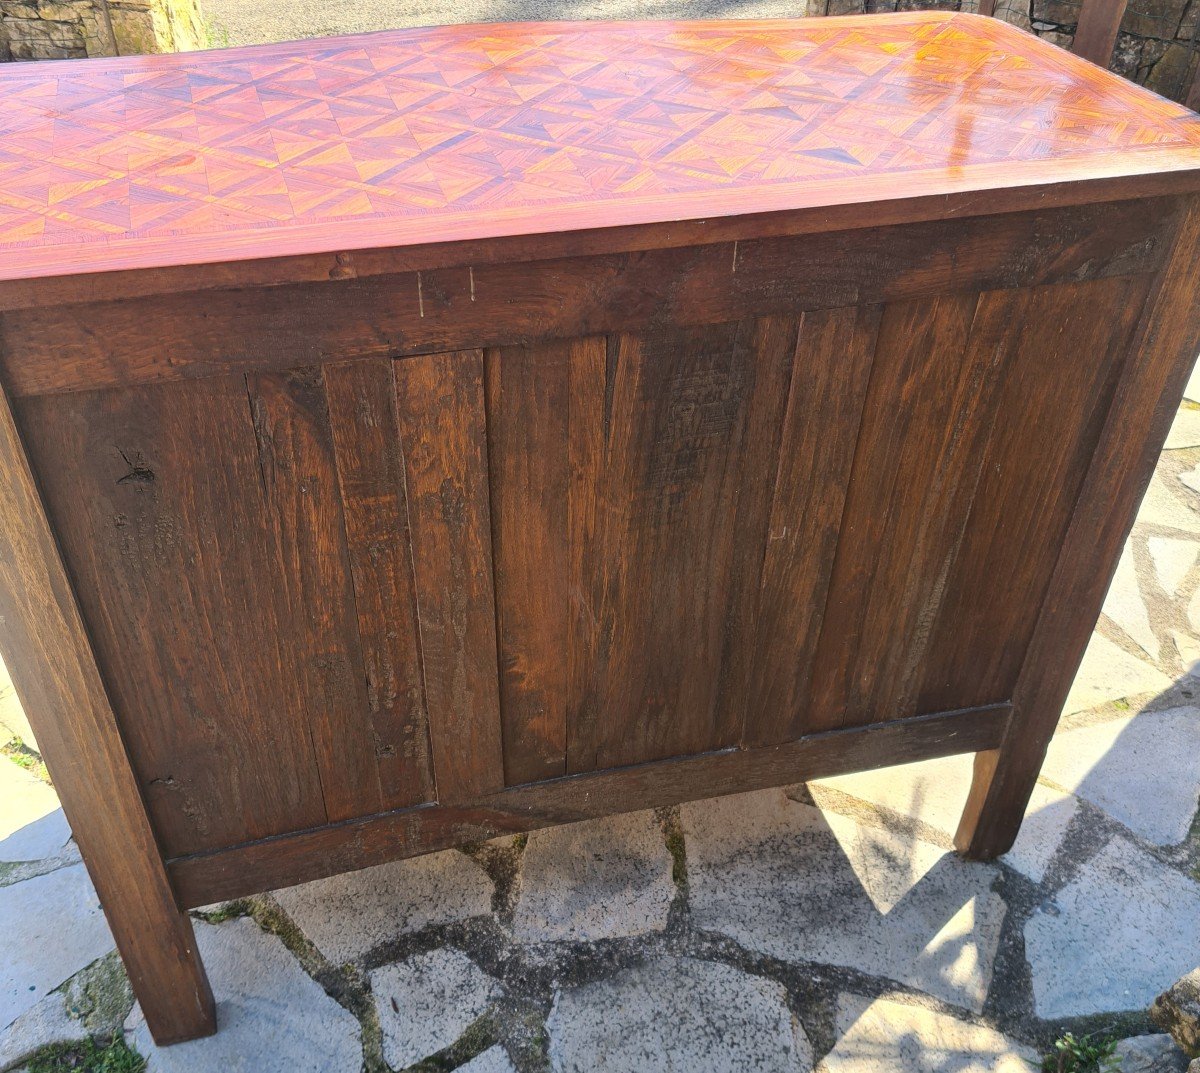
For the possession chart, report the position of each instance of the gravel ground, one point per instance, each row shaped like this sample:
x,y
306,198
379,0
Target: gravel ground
x,y
251,22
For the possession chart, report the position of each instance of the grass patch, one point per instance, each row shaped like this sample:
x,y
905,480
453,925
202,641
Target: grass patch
x,y
1086,1054
116,1056
215,35
23,756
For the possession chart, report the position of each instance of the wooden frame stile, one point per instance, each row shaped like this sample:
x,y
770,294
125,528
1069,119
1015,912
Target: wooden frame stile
x,y
54,671
1151,384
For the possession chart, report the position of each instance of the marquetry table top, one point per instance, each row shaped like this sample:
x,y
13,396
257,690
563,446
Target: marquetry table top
x,y
475,132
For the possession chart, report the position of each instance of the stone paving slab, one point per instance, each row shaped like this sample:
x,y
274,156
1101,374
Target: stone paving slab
x,y
1192,391
786,880
1165,504
1185,430
1173,559
1123,930
50,1021
271,1015
1150,1054
673,1015
94,1001
494,1060
347,915
13,723
1111,764
426,1002
1125,605
1109,673
885,1036
934,792
32,826
56,928
599,879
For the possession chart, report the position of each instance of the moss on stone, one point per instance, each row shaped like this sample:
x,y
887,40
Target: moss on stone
x,y
100,995
115,1056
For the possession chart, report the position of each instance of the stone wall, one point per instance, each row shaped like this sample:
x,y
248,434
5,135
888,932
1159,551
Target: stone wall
x,y
1155,47
62,29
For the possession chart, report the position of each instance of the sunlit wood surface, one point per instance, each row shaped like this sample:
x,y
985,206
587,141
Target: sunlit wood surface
x,y
471,132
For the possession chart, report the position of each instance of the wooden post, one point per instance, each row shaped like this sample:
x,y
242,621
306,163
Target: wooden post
x,y
46,648
1096,34
1143,408
1192,100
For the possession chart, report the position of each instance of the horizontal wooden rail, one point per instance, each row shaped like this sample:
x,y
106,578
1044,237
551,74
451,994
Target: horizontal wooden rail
x,y
201,879
172,337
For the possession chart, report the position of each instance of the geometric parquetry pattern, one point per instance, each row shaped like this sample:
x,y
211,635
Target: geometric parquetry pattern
x,y
467,122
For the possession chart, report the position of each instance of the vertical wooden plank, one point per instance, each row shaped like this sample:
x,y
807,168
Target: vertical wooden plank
x,y
48,654
156,497
529,464
773,343
678,499
1096,33
589,405
304,516
440,404
1049,415
1192,98
1135,428
929,411
829,379
361,396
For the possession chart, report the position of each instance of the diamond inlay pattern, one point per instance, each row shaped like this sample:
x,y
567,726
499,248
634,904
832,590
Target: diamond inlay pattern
x,y
472,131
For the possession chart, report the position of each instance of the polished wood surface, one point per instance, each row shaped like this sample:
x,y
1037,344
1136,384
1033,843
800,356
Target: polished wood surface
x,y
485,479
473,132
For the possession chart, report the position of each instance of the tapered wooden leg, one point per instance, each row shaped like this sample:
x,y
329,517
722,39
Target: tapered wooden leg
x,y
1144,404
990,822
53,668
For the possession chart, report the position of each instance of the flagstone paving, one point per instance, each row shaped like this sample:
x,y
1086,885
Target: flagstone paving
x,y
273,1015
885,1036
827,927
676,1014
587,881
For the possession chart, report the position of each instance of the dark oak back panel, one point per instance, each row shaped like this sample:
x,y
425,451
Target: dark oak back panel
x,y
325,590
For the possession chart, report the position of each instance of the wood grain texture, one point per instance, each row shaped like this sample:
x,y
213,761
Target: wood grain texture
x,y
308,855
829,377
529,415
1136,425
361,397
442,420
689,418
929,411
910,103
157,498
77,347
48,654
307,539
1096,33
1051,409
